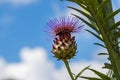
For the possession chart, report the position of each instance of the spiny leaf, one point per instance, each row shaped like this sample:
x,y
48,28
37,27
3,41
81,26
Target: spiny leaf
x,y
86,22
81,72
80,3
100,8
95,5
90,78
94,34
101,75
82,12
100,45
102,5
76,1
103,54
117,35
108,66
116,45
111,15
114,26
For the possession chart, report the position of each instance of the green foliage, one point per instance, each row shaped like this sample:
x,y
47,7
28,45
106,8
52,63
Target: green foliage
x,y
111,15
107,66
103,54
101,76
101,20
78,75
114,26
96,35
100,45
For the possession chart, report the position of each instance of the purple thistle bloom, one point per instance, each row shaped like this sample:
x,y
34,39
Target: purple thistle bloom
x,y
64,46
64,25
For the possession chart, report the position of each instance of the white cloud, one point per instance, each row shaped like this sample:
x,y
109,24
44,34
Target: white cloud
x,y
16,2
77,67
35,65
2,67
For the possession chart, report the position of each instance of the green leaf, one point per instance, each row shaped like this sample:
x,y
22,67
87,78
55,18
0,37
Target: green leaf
x,y
82,12
81,72
80,3
101,6
76,1
94,5
114,26
86,22
101,75
111,15
103,54
108,66
117,35
100,45
90,78
97,36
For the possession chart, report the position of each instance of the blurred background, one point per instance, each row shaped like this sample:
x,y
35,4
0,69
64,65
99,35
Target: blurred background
x,y
25,46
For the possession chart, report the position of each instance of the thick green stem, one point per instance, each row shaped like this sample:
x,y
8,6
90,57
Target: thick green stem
x,y
68,68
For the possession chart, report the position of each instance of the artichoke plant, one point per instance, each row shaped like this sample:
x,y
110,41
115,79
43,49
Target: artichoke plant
x,y
100,17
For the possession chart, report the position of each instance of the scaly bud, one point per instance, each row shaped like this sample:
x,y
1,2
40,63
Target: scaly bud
x,y
64,46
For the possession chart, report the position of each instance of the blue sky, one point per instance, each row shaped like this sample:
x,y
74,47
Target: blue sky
x,y
22,25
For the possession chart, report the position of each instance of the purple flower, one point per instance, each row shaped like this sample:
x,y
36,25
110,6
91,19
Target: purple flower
x,y
64,25
64,46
